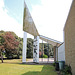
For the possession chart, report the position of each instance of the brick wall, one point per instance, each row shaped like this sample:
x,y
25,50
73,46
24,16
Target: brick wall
x,y
69,36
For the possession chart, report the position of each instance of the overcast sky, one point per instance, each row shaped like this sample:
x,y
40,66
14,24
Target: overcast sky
x,y
49,16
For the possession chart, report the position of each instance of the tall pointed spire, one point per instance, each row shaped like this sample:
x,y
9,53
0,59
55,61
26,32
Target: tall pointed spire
x,y
28,23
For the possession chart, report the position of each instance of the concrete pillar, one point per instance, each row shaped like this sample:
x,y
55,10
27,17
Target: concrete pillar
x,y
24,47
54,53
36,49
42,51
48,50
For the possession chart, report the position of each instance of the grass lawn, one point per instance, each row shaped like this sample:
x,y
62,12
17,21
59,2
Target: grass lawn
x,y
14,67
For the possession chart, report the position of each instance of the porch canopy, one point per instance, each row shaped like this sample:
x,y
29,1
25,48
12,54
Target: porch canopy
x,y
50,41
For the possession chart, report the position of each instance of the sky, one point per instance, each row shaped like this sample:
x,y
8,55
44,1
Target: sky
x,y
49,16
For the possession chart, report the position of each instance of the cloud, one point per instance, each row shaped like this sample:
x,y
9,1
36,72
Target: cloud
x,y
1,3
50,17
8,23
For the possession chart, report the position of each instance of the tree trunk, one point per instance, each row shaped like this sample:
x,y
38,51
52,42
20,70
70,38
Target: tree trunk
x,y
1,57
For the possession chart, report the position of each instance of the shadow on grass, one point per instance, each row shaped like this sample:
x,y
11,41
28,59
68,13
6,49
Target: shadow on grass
x,y
32,73
35,72
46,70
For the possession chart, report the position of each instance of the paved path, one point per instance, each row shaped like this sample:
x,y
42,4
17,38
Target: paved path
x,y
43,60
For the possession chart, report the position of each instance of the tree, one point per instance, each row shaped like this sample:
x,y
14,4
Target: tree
x,y
1,47
29,48
48,49
20,46
11,44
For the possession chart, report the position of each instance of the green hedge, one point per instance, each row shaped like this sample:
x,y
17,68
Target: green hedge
x,y
45,56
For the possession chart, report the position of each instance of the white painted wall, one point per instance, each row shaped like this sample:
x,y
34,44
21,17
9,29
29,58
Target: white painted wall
x,y
61,53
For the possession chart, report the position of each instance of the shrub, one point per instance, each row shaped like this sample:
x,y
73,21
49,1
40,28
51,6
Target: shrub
x,y
53,64
66,70
45,56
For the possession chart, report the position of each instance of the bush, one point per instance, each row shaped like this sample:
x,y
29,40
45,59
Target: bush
x,y
66,70
45,56
53,64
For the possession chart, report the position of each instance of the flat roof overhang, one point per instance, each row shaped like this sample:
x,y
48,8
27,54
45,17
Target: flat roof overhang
x,y
50,41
